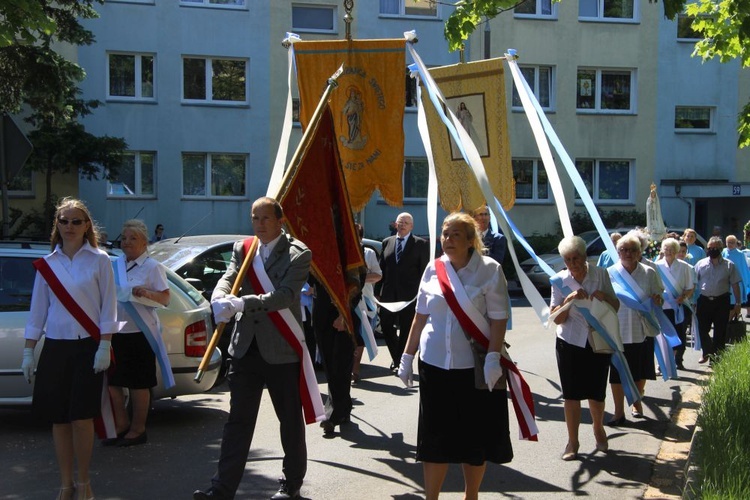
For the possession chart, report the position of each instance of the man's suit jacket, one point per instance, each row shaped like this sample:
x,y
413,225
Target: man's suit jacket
x,y
496,245
288,267
401,279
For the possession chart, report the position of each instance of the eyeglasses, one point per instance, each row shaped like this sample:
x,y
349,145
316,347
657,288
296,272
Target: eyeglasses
x,y
75,222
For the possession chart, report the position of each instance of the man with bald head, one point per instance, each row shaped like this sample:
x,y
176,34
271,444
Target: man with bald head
x,y
402,261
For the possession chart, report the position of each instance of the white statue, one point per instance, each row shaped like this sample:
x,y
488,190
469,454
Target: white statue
x,y
654,222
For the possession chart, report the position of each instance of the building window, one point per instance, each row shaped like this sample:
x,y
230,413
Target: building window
x,y
215,3
135,177
214,80
213,175
685,31
605,91
607,180
531,180
540,79
415,178
314,19
130,76
422,8
536,8
606,10
22,184
693,118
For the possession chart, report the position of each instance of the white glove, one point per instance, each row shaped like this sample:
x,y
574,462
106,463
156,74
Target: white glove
x,y
226,307
27,365
406,370
492,369
101,358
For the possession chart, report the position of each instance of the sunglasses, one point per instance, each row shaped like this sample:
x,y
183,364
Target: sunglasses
x,y
75,222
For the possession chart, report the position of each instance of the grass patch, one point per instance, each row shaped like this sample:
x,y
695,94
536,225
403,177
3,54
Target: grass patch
x,y
723,447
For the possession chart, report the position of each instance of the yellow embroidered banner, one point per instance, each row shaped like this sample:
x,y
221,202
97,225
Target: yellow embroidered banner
x,y
368,109
475,92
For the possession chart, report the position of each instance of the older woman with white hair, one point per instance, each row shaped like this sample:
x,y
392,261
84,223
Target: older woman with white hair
x,y
583,372
677,275
141,287
637,335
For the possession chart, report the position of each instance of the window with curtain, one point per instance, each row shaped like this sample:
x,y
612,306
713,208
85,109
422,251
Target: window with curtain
x,y
531,180
214,175
607,181
606,9
540,79
215,80
605,91
130,76
135,176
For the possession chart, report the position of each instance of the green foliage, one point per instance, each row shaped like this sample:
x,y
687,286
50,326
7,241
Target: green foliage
x,y
581,221
469,14
722,451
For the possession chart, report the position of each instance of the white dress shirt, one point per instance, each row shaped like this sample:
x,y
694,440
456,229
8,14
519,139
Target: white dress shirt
x,y
90,274
443,342
147,273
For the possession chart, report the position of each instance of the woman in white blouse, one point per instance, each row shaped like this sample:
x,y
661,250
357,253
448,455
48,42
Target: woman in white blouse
x,y
68,385
459,422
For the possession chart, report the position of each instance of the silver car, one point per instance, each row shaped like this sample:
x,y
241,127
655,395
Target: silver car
x,y
185,328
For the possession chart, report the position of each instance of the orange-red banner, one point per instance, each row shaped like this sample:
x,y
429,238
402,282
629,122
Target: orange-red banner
x,y
317,210
368,109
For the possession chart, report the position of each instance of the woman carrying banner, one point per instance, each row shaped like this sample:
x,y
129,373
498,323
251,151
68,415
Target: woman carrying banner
x,y
636,330
471,427
141,287
74,297
583,372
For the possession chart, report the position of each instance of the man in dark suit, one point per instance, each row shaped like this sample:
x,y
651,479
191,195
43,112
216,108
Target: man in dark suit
x,y
495,244
402,261
260,356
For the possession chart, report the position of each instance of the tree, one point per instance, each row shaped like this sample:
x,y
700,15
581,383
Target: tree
x,y
35,75
724,25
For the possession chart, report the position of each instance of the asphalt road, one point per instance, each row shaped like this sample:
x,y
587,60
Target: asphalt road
x,y
373,457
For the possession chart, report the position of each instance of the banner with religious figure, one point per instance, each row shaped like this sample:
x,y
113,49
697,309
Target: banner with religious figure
x,y
475,92
368,109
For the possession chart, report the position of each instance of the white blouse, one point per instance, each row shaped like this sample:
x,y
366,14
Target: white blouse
x,y
147,273
633,328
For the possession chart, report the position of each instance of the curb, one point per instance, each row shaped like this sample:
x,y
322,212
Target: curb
x,y
674,476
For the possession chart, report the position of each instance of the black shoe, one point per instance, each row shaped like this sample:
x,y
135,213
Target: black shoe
x,y
680,366
617,422
113,441
328,427
285,491
209,494
139,439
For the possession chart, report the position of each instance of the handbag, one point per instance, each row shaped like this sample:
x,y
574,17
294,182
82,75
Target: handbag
x,y
736,329
598,344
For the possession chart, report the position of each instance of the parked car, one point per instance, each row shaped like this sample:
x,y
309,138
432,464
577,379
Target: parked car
x,y
594,248
185,328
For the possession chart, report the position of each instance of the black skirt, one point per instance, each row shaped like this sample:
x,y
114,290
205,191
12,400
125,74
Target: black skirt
x,y
583,373
66,387
640,359
135,362
459,423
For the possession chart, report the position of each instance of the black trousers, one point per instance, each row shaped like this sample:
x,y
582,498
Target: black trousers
x,y
389,322
337,349
713,312
681,328
247,377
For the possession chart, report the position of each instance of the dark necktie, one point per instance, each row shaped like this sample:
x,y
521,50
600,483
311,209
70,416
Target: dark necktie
x,y
399,248
131,267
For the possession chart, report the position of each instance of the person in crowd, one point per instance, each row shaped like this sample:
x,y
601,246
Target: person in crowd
x,y
307,299
695,251
716,276
495,244
460,420
605,260
402,262
636,333
260,355
142,286
683,253
583,372
368,295
733,253
677,275
74,286
158,234
336,345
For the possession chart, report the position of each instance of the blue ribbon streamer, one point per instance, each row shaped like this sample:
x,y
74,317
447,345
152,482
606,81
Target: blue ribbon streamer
x,y
363,332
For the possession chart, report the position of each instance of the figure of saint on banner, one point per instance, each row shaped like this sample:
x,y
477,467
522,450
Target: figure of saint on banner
x,y
353,110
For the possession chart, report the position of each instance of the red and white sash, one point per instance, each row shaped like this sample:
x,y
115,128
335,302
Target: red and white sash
x,y
104,425
290,329
476,325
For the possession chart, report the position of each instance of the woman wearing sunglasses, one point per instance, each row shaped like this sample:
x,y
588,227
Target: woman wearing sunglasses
x,y
74,305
